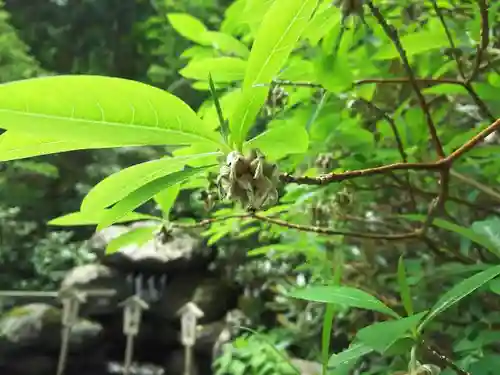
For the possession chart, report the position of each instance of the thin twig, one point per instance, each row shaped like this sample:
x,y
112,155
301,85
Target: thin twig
x,y
445,360
393,35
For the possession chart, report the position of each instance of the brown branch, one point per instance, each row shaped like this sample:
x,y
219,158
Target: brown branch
x,y
426,81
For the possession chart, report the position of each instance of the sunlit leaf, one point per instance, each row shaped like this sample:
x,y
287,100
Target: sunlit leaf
x,y
188,26
94,110
278,33
94,217
465,232
222,69
381,336
143,194
15,145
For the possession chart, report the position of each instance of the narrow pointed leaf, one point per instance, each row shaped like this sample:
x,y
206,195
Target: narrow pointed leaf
x,y
145,193
278,34
91,110
460,291
342,295
470,234
222,69
119,185
354,352
94,217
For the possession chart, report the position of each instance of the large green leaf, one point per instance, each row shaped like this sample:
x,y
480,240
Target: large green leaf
x,y
226,43
137,236
278,33
193,29
121,184
188,26
145,193
222,69
381,336
432,38
465,232
354,352
90,110
94,217
280,141
343,295
15,145
166,199
459,291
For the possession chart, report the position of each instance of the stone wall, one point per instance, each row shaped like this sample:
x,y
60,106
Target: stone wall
x,y
165,274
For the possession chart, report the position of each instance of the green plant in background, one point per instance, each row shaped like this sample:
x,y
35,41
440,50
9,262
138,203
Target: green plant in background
x,y
333,124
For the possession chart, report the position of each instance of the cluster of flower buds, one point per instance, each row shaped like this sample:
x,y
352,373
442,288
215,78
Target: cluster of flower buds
x,y
350,7
251,180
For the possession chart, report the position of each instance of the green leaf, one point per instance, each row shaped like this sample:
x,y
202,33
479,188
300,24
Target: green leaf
x,y
490,229
278,33
465,232
145,193
15,145
94,217
354,352
460,291
166,199
495,286
117,186
222,69
280,141
138,236
188,26
381,336
342,295
91,110
404,289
